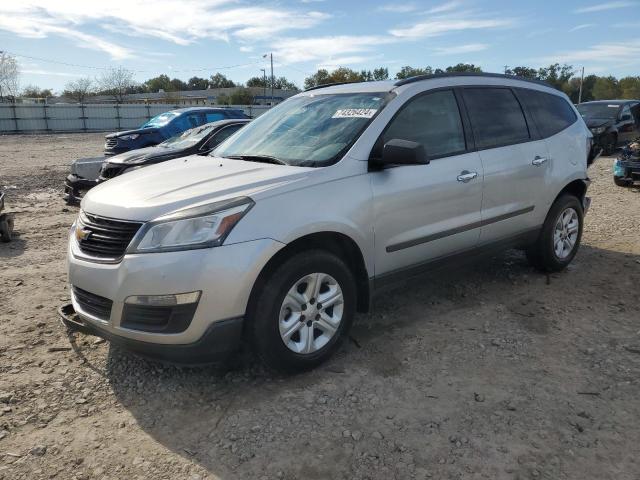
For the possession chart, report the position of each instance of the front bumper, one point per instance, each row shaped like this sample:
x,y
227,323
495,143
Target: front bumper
x,y
627,170
219,340
75,187
225,275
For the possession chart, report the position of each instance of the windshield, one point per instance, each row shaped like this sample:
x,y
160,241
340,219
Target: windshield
x,y
189,138
598,110
160,120
308,131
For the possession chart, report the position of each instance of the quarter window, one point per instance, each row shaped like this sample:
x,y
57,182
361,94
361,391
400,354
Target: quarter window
x,y
496,117
432,120
551,113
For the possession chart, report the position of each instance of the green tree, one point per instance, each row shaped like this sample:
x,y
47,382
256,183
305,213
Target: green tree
x,y
178,85
197,83
79,89
556,75
523,72
31,91
606,88
407,72
381,73
241,96
281,83
463,68
321,77
220,81
155,84
222,99
630,87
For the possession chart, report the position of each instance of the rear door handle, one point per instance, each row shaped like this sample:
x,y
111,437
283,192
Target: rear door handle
x,y
466,176
539,161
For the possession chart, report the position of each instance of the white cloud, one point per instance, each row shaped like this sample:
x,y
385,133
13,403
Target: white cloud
x,y
582,27
398,8
623,52
442,25
323,49
445,7
460,49
181,22
606,6
48,73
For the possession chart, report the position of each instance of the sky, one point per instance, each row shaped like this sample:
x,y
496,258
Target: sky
x,y
57,41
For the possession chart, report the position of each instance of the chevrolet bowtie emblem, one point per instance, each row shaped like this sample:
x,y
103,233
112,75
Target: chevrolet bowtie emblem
x,y
82,234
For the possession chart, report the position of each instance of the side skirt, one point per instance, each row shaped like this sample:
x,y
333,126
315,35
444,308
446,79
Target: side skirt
x,y
392,279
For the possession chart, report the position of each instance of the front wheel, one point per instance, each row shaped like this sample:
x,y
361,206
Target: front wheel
x,y
620,182
609,144
560,236
304,310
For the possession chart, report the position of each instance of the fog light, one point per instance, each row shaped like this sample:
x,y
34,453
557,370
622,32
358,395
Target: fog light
x,y
164,300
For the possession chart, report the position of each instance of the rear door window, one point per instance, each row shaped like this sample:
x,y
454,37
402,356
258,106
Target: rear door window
x,y
432,120
220,136
551,113
215,116
496,117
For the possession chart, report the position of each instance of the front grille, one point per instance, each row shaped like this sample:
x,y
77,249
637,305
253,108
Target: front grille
x,y
105,238
93,304
111,143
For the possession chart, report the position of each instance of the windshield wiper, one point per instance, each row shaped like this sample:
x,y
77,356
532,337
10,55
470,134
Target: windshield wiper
x,y
258,158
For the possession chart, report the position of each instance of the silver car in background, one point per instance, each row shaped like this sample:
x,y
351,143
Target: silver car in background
x,y
297,220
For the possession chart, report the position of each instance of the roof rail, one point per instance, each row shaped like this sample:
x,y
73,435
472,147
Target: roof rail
x,y
327,85
419,78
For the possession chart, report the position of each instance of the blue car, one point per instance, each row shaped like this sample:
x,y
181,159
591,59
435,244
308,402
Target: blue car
x,y
164,126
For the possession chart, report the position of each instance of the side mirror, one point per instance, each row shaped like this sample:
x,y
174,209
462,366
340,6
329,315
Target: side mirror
x,y
402,152
625,118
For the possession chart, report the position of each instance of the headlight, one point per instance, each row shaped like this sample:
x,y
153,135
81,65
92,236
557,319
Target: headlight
x,y
191,228
133,136
598,130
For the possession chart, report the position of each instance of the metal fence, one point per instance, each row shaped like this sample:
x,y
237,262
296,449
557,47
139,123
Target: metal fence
x,y
32,118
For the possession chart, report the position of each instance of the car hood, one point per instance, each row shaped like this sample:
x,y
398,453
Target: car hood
x,y
190,181
140,131
595,122
142,155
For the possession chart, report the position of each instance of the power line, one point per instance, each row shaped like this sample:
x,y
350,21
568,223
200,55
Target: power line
x,y
93,67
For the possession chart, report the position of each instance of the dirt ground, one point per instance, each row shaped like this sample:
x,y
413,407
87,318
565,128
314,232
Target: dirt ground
x,y
493,371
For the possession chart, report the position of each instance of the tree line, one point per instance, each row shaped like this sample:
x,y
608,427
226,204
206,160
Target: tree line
x,y
118,82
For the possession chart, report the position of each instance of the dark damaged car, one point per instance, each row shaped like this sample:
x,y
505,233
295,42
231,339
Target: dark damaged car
x,y
613,123
166,125
89,172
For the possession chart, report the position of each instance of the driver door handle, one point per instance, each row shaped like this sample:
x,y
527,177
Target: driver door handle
x,y
466,176
539,161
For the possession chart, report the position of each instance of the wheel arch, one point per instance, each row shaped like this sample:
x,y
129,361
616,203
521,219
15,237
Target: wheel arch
x,y
335,242
577,187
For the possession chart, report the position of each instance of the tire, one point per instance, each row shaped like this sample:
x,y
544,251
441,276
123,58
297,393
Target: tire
x,y
621,183
6,229
609,144
544,254
287,304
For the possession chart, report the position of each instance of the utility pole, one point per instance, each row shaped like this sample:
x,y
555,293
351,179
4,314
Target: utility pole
x,y
272,80
506,67
264,79
581,82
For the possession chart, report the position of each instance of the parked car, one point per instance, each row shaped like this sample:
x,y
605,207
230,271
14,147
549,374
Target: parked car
x,y
86,173
6,222
626,168
320,203
612,122
166,125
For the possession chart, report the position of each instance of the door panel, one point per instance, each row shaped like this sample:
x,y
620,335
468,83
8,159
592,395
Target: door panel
x,y
423,212
514,188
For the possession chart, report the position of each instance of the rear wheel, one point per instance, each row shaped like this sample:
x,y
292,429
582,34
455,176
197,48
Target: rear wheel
x,y
303,312
6,228
560,236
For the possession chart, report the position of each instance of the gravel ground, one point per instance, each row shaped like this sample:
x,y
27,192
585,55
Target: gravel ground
x,y
492,371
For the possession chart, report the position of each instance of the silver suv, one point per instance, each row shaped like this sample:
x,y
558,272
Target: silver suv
x,y
294,222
